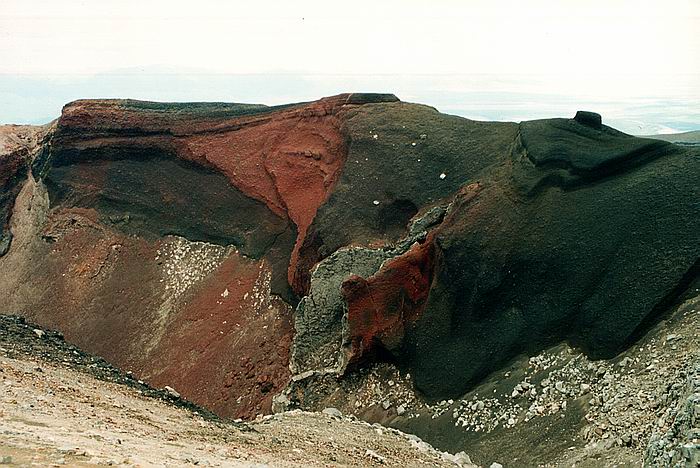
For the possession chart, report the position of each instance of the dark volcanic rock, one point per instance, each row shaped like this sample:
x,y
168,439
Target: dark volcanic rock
x,y
589,260
370,98
16,144
176,240
149,194
590,119
402,158
576,153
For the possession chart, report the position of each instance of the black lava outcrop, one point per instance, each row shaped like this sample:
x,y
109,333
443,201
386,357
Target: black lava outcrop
x,y
608,237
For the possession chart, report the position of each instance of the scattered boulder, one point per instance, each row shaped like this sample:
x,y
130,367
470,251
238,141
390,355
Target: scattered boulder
x,y
334,412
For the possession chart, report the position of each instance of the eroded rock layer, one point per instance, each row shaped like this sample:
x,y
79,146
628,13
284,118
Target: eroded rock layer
x,y
224,249
16,145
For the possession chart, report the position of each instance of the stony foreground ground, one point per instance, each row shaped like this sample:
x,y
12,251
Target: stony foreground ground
x,y
59,406
557,408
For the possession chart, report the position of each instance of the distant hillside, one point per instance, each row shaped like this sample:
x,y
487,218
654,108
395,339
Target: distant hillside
x,y
685,138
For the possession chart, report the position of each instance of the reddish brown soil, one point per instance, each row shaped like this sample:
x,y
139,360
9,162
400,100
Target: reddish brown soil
x,y
210,347
228,348
89,294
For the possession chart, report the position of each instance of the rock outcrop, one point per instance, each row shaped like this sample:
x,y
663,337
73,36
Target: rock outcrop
x,y
224,249
16,142
679,445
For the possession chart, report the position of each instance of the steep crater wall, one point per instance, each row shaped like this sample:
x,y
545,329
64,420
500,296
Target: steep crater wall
x,y
224,249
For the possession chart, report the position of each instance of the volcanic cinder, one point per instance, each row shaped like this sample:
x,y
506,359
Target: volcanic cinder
x,y
224,249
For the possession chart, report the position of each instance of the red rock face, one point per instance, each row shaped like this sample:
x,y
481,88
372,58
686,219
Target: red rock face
x,y
382,307
289,162
288,159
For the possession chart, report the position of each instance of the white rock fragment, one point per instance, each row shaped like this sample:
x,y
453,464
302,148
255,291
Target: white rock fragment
x,y
375,456
459,459
334,412
624,362
280,403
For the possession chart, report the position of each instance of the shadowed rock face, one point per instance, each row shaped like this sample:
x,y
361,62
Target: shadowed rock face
x,y
219,248
14,169
582,235
16,144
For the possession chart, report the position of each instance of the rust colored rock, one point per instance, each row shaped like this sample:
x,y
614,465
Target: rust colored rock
x,y
289,162
287,157
381,308
195,317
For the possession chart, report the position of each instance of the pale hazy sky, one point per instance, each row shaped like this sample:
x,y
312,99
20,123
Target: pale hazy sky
x,y
595,50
